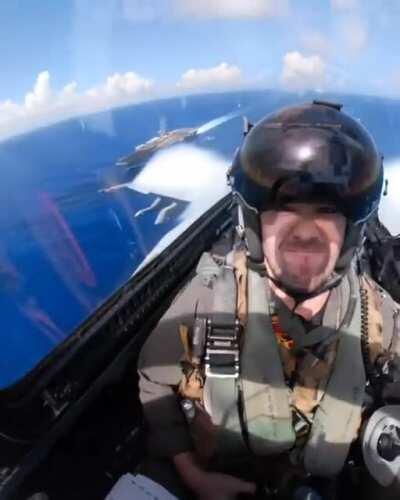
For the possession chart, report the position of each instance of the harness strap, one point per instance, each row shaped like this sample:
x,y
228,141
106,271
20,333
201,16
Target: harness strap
x,y
255,410
312,377
221,396
313,369
265,395
338,417
240,264
221,390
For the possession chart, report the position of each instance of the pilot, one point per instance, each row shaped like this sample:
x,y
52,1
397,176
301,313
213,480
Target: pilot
x,y
262,374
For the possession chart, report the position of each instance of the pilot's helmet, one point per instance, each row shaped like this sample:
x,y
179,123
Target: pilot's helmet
x,y
307,153
310,152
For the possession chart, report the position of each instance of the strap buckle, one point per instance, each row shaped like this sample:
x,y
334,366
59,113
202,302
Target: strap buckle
x,y
301,424
222,355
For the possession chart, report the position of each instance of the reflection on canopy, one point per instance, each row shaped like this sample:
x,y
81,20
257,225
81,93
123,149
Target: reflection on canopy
x,y
75,227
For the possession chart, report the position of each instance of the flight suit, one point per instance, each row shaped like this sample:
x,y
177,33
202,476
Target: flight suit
x,y
160,374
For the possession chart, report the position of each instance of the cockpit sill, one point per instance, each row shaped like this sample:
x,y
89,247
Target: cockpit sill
x,y
45,404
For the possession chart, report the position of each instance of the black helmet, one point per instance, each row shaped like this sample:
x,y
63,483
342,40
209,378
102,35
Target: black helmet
x,y
309,152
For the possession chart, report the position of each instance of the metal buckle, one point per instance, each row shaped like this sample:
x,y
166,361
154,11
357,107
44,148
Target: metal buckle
x,y
222,350
301,424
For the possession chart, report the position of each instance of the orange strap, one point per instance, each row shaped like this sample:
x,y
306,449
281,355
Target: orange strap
x,y
240,264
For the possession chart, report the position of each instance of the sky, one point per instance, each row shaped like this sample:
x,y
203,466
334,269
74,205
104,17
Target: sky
x,y
67,57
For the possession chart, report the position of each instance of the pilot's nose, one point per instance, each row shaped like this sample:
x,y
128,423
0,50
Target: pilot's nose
x,y
304,230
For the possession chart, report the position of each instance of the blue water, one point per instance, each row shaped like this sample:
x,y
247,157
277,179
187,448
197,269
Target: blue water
x,y
65,247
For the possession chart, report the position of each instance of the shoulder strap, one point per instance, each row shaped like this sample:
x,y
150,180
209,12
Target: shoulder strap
x,y
265,395
222,390
253,410
337,419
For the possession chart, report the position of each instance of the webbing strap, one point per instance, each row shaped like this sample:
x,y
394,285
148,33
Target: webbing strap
x,y
265,395
225,298
221,398
337,419
265,398
221,391
292,325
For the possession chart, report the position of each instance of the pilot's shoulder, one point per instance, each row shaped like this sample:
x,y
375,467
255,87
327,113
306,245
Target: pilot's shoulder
x,y
382,295
193,298
181,310
388,308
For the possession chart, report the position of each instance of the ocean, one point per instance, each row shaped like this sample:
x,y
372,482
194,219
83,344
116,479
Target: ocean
x,y
67,244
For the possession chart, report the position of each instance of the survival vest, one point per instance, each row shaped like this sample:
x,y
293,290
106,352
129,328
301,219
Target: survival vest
x,y
239,357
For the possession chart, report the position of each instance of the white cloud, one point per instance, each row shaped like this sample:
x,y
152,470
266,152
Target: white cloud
x,y
344,4
222,76
166,174
119,87
45,105
303,72
8,111
354,33
233,9
41,95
